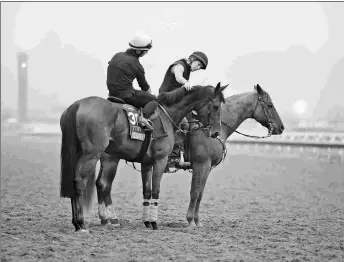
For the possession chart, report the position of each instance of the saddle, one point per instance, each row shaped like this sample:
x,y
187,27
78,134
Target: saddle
x,y
135,130
116,100
138,133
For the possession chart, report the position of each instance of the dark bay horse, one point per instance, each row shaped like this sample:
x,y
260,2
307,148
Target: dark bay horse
x,y
206,152
95,129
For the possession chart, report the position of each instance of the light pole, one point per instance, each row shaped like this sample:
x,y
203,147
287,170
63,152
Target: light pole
x,y
22,87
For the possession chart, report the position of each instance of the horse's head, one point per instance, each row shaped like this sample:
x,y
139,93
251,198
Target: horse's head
x,y
208,108
266,114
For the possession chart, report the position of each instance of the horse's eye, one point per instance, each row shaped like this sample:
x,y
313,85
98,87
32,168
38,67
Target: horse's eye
x,y
216,107
270,105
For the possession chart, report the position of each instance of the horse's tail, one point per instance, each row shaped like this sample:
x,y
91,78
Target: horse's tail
x,y
70,151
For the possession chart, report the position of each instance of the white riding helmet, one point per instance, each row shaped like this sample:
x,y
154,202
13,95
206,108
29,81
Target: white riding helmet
x,y
141,42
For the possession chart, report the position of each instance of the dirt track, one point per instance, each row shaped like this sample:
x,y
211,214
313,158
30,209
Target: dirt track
x,y
254,209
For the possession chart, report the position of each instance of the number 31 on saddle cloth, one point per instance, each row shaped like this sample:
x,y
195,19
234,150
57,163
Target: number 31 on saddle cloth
x,y
135,131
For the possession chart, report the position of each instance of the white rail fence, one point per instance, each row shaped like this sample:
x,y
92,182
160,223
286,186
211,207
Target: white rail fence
x,y
311,139
319,145
327,145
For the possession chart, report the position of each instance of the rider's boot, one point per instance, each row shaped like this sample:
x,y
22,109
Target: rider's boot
x,y
145,123
182,163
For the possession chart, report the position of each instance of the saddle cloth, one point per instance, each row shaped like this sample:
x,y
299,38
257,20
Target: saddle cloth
x,y
135,131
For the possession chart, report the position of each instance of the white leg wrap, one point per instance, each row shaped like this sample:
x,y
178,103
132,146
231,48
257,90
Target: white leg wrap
x,y
102,212
111,212
181,157
145,211
153,216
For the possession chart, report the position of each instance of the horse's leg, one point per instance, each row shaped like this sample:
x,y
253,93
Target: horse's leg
x,y
83,182
158,170
104,181
146,174
199,177
204,177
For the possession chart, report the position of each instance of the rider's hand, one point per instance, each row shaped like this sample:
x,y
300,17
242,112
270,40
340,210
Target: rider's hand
x,y
187,85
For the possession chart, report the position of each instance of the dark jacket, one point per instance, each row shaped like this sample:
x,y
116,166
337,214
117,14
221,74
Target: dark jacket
x,y
123,68
170,83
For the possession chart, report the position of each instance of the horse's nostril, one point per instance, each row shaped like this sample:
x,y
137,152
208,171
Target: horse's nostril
x,y
282,127
216,134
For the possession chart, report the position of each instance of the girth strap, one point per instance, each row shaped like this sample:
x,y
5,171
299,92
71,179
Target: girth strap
x,y
144,147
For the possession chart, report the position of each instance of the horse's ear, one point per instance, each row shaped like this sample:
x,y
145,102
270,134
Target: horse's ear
x,y
223,88
217,86
258,89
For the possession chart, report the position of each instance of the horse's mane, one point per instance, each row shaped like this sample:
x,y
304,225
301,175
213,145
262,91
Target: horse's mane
x,y
169,98
235,96
172,97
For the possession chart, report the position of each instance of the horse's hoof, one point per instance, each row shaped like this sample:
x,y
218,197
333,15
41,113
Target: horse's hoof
x,y
104,222
83,231
154,225
199,224
115,222
147,224
191,225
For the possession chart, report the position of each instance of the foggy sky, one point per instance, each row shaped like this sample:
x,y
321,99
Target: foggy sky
x,y
288,48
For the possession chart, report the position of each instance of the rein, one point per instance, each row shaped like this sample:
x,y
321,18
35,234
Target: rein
x,y
224,153
250,136
177,127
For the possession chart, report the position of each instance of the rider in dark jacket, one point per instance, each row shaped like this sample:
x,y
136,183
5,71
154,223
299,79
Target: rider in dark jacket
x,y
123,68
177,75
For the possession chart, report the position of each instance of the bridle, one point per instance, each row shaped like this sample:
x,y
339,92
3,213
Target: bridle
x,y
201,125
260,100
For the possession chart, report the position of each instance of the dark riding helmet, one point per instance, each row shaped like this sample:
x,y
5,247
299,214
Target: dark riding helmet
x,y
200,56
141,42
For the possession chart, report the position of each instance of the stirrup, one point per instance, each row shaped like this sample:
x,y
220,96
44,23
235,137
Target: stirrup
x,y
144,122
182,163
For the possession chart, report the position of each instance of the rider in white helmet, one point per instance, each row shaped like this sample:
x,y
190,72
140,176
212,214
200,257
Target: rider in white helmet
x,y
123,68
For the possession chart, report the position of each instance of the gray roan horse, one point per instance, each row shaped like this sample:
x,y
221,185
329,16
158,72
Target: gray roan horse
x,y
95,129
206,153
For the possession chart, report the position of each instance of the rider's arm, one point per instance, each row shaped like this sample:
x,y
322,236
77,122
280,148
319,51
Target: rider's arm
x,y
178,71
141,79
